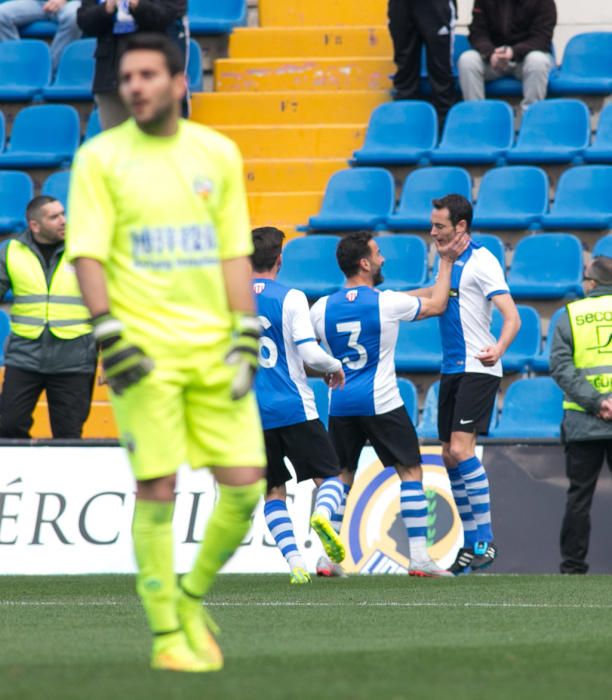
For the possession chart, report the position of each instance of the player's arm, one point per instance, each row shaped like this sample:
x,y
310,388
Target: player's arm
x,y
511,325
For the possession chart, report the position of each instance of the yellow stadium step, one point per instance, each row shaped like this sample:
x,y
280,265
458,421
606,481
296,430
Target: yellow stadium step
x,y
286,107
306,42
277,75
308,13
275,209
325,141
285,175
100,424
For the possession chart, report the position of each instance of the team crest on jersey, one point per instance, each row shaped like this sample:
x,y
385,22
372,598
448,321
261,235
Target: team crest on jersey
x,y
258,287
203,187
352,294
373,527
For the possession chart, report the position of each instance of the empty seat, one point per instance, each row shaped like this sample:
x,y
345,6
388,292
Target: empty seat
x,y
43,29
26,69
195,75
603,246
74,77
409,396
360,198
309,264
585,68
5,329
480,131
16,190
533,408
512,197
405,261
56,185
214,17
546,266
419,346
526,345
601,150
93,125
2,131
420,187
552,131
582,200
487,240
399,133
541,362
44,136
321,394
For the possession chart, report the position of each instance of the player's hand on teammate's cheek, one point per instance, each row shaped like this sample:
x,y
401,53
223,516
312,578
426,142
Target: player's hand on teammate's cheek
x,y
454,248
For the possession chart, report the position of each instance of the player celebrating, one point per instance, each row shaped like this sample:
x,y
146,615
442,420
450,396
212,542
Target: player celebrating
x,y
291,423
471,371
160,238
360,325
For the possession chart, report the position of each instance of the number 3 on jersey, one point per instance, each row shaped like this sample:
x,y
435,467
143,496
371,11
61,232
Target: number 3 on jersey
x,y
353,328
268,352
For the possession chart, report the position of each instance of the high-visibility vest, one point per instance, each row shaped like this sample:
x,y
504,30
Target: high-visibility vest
x,y
36,304
591,324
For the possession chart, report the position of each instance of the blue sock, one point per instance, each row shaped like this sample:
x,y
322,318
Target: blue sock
x,y
329,497
477,487
281,528
413,508
470,535
338,516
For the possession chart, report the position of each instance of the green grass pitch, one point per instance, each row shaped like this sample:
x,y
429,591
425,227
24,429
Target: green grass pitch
x,y
370,638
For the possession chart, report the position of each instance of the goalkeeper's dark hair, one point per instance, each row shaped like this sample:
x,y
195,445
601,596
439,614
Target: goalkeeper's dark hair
x,y
352,248
600,270
267,246
36,204
151,41
459,208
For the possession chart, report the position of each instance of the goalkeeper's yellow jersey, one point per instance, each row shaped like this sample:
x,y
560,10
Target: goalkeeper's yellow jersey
x,y
161,213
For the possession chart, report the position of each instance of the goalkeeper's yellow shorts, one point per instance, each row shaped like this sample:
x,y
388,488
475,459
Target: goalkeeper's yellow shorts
x,y
185,414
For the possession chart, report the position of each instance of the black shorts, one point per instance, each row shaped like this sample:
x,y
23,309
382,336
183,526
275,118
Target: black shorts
x,y
465,403
391,434
308,448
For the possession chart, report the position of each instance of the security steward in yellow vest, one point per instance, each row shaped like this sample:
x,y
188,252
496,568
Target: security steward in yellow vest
x,y
581,364
50,346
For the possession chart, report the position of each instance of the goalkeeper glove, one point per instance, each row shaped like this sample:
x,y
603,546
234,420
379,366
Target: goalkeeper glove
x,y
124,364
243,353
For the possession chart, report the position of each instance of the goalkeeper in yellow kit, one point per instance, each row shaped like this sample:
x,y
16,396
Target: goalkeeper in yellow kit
x,y
160,239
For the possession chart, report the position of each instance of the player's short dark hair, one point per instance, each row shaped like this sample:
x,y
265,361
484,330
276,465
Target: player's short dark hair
x,y
36,204
267,246
600,270
151,41
351,249
459,208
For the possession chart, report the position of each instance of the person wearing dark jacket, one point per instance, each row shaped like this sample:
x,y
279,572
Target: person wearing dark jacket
x,y
111,22
509,37
51,346
581,364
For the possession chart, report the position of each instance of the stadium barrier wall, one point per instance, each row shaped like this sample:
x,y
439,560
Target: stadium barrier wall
x,y
68,510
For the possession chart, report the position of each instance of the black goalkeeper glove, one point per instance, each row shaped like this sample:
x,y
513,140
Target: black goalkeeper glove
x,y
124,364
243,353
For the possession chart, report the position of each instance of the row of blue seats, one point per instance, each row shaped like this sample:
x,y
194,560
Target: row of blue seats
x,y
510,197
25,71
532,408
482,132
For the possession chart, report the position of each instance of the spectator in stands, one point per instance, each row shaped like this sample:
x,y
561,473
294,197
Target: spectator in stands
x,y
509,38
51,346
17,13
112,21
413,23
580,364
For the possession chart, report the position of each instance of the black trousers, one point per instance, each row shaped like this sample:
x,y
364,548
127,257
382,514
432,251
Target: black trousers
x,y
583,462
413,23
68,397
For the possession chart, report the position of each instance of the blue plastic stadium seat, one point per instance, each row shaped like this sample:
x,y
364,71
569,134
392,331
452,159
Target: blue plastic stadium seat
x,y
585,68
74,78
514,197
547,266
420,187
359,198
399,133
486,240
5,329
533,408
309,264
541,362
603,246
601,150
214,17
526,345
195,75
2,131
43,29
419,346
321,394
405,261
480,131
552,131
583,199
409,396
93,125
26,69
43,136
16,190
56,185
